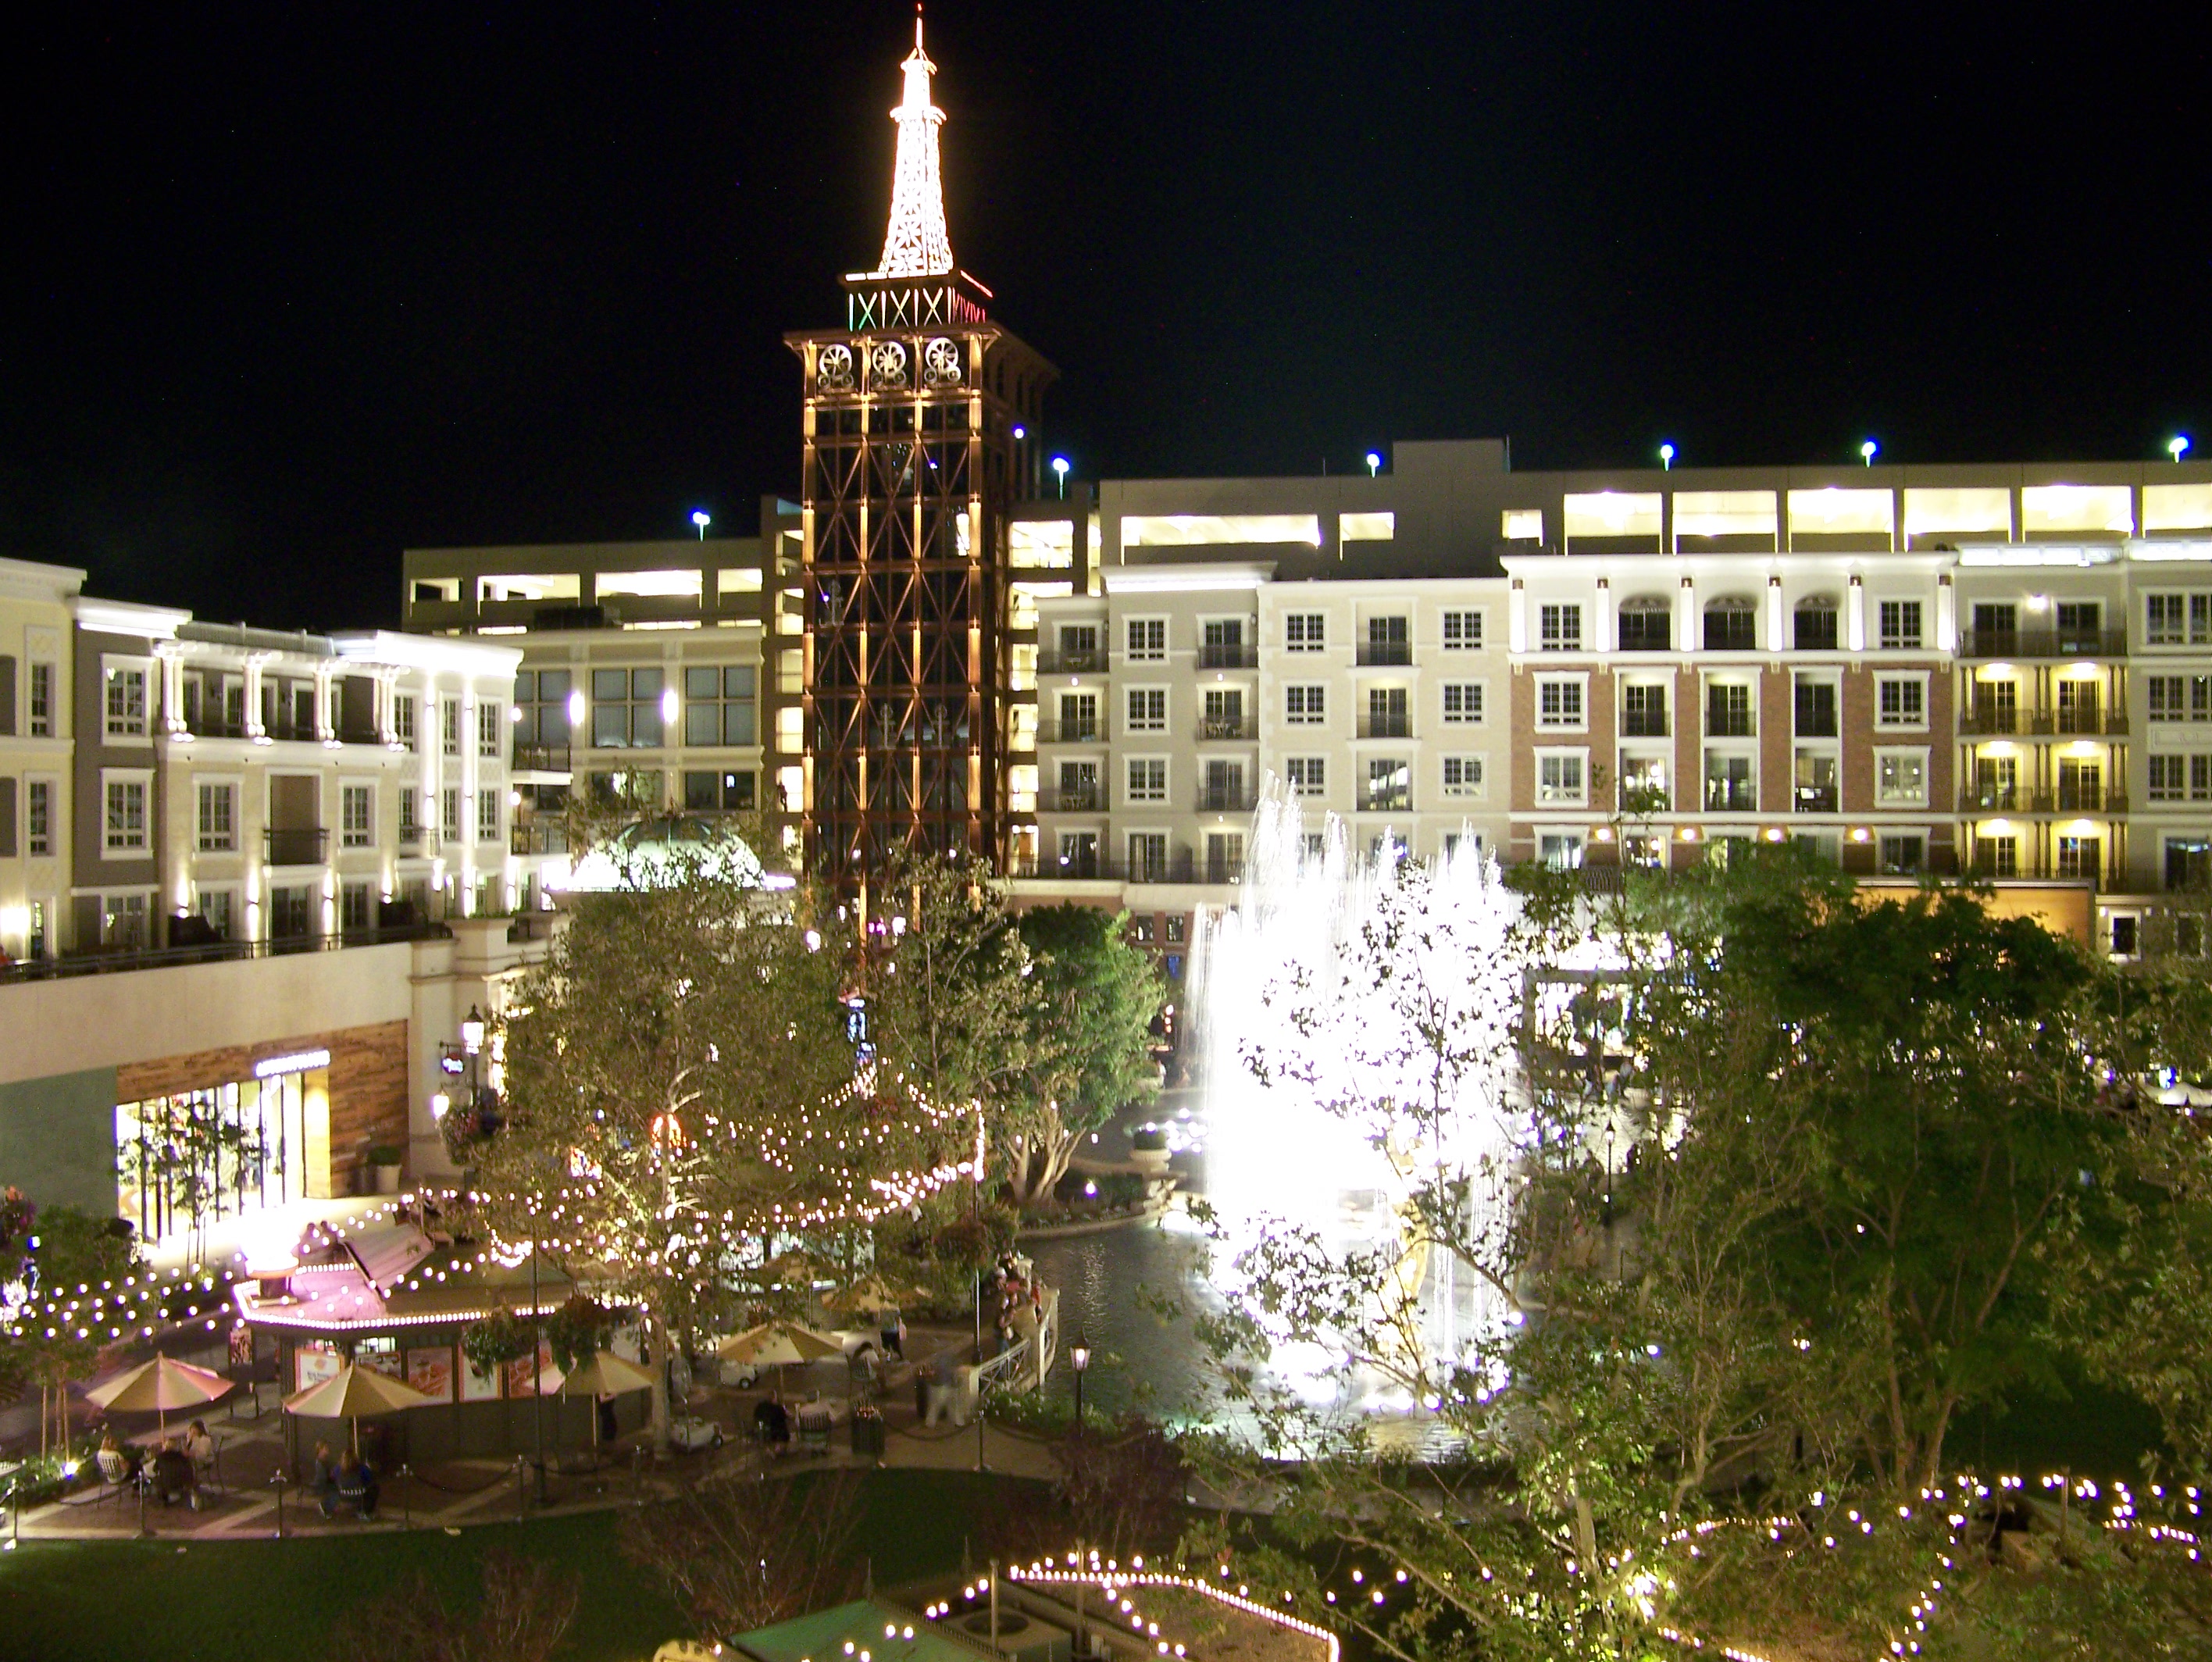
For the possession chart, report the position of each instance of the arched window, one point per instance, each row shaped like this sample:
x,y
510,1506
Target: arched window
x,y
1646,623
1814,626
1731,625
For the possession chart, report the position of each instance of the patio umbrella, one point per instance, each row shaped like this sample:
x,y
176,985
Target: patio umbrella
x,y
161,1385
777,1344
872,1293
351,1393
605,1375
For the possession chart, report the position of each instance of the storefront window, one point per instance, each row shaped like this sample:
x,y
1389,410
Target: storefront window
x,y
186,1162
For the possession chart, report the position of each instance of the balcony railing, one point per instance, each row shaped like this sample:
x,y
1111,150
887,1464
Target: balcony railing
x,y
1071,799
1398,800
2043,643
1238,799
1812,799
1072,660
1233,728
2067,799
1644,723
1988,721
1386,654
1228,655
1089,731
1730,725
112,960
1731,797
1389,724
296,846
543,759
538,838
1219,869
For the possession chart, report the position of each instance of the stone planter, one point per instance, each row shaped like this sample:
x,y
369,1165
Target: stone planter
x,y
387,1179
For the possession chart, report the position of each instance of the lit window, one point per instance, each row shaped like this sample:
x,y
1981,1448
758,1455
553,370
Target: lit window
x,y
1463,776
1901,778
126,816
718,704
1560,777
126,702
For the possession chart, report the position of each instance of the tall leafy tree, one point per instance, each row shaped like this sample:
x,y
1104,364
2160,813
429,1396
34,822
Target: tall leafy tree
x,y
681,1097
1089,1044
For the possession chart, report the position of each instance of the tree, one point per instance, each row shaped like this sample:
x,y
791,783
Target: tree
x,y
682,1101
1793,1180
741,1553
524,1614
950,999
1090,1043
76,1284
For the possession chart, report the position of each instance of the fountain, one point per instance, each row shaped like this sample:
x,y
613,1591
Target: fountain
x,y
1354,1022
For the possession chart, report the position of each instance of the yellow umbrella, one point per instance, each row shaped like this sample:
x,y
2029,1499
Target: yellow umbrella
x,y
161,1385
873,1293
777,1344
351,1393
605,1375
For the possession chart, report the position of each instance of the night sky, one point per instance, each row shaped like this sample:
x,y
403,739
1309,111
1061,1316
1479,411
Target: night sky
x,y
290,289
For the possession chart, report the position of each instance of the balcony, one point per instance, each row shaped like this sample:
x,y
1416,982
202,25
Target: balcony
x,y
1644,723
1387,723
2043,643
115,960
1385,654
1731,724
1638,799
543,759
1812,799
1228,655
1993,799
1235,799
1071,799
1398,799
1992,721
1731,797
1089,730
539,837
2088,799
1220,869
1235,729
1082,660
296,846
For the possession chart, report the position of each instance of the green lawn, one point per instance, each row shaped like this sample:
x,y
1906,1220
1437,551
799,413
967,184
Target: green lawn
x,y
247,1600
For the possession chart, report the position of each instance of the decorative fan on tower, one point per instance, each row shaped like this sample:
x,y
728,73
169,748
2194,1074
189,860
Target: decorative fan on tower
x,y
940,362
887,364
833,370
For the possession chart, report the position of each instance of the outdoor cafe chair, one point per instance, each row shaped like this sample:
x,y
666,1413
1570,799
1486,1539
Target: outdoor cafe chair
x,y
115,1474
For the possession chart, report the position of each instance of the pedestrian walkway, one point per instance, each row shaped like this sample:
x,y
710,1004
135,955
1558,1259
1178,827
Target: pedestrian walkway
x,y
247,1502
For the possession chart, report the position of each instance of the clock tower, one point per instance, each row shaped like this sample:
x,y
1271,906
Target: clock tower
x,y
915,444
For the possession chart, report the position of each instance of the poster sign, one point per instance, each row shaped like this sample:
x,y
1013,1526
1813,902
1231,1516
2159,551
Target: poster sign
x,y
522,1377
385,1362
477,1388
313,1363
431,1372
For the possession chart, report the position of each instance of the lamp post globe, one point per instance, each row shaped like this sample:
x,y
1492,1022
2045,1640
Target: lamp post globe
x,y
702,518
1079,1357
1060,467
2177,445
1667,457
1373,462
1868,450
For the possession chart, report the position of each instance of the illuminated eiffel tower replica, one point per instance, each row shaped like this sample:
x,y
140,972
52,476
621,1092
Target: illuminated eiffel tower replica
x,y
919,414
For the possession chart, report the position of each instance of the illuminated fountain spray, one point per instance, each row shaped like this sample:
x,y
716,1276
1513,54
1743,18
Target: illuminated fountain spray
x,y
1332,965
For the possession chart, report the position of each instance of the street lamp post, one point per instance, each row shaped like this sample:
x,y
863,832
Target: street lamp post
x,y
1666,459
1373,462
2177,445
702,518
1060,466
1078,1356
1868,450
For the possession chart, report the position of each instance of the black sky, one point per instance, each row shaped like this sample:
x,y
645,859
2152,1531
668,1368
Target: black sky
x,y
289,289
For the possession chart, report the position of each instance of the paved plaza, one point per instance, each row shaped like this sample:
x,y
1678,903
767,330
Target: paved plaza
x,y
245,1501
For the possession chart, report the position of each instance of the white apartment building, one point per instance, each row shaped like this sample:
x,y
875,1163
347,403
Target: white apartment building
x,y
36,754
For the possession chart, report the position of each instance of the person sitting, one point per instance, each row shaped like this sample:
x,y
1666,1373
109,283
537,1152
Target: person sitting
x,y
118,1463
773,1422
173,1478
201,1447
355,1487
324,1476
